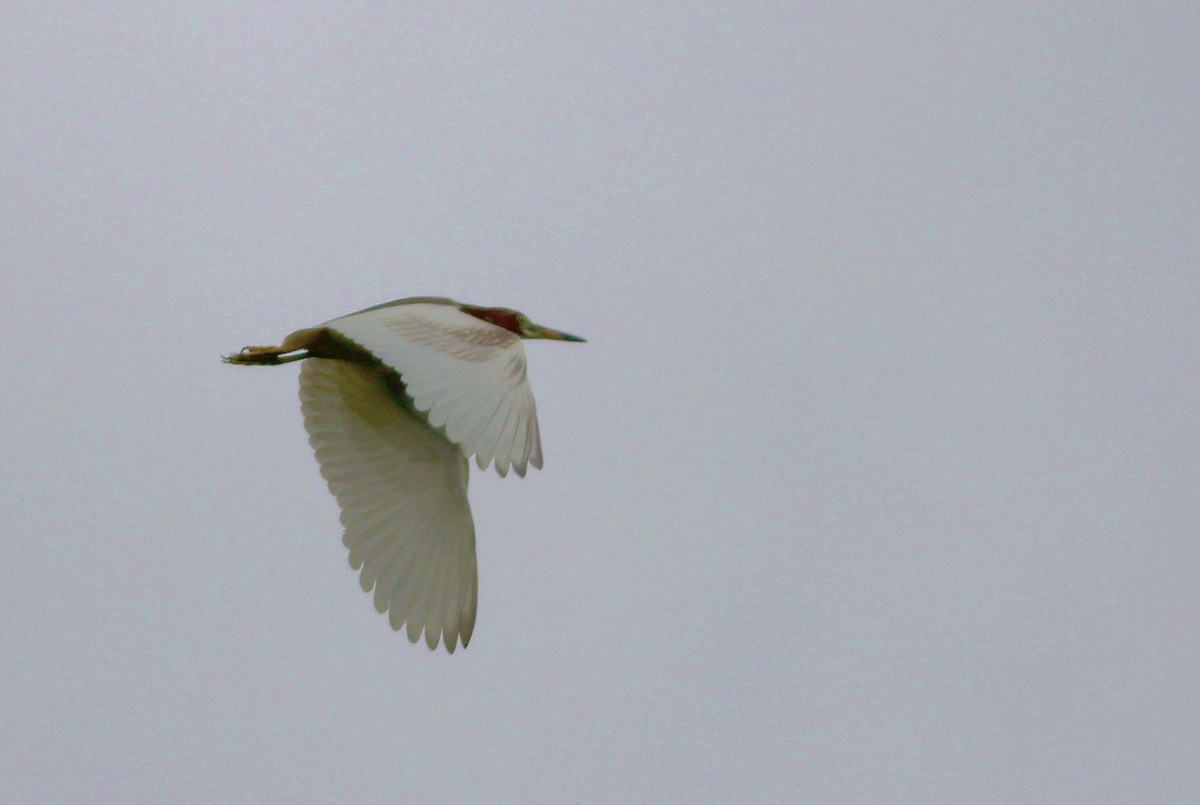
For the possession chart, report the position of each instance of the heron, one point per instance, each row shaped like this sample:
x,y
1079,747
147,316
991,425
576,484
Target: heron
x,y
396,399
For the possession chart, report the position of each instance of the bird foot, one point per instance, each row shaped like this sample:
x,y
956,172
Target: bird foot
x,y
261,356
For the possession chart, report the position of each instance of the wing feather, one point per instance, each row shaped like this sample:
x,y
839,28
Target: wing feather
x,y
490,444
505,444
520,443
466,375
402,488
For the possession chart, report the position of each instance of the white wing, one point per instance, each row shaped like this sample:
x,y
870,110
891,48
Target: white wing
x,y
402,488
465,374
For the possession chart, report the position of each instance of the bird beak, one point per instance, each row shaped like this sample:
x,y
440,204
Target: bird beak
x,y
538,331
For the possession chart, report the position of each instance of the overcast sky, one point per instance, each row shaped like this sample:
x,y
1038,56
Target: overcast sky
x,y
876,481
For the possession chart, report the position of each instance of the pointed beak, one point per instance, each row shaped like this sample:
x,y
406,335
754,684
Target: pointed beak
x,y
538,331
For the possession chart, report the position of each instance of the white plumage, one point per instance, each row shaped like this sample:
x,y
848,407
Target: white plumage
x,y
467,375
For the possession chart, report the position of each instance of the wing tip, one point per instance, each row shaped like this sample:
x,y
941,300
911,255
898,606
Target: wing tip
x,y
433,635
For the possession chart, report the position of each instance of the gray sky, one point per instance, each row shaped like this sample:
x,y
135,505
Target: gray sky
x,y
877,481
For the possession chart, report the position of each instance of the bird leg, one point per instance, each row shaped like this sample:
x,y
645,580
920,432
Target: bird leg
x,y
295,347
264,356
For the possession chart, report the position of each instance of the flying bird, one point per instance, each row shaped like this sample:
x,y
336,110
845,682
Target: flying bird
x,y
395,399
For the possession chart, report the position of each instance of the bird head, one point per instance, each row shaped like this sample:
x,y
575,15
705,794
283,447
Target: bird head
x,y
518,323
